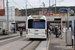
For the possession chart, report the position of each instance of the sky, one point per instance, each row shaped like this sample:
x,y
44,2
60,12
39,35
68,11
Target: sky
x,y
38,3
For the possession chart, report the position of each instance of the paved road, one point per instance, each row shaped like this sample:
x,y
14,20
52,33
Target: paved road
x,y
20,43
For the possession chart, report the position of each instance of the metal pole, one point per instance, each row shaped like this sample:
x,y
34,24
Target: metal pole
x,y
7,16
52,10
2,25
3,4
43,7
68,20
49,7
39,3
61,28
55,7
26,11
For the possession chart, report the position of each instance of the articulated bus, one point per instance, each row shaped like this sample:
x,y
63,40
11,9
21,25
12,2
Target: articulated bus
x,y
36,27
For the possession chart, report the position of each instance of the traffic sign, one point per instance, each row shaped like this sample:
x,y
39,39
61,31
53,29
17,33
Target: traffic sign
x,y
63,11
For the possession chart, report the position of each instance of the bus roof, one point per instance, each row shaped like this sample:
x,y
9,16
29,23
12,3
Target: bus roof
x,y
36,15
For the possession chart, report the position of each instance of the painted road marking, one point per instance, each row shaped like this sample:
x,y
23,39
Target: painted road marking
x,y
48,42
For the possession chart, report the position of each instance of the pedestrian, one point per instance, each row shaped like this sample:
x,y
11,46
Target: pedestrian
x,y
3,31
12,30
21,32
56,32
49,31
7,32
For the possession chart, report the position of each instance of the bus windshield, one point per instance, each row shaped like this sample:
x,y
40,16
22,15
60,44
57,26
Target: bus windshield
x,y
36,24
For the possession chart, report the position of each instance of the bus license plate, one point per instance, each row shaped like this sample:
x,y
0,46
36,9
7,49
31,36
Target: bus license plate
x,y
36,34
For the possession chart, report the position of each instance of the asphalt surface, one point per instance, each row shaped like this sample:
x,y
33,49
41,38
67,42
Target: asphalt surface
x,y
19,43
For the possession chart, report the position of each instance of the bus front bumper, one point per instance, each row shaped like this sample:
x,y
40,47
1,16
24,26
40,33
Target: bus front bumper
x,y
36,36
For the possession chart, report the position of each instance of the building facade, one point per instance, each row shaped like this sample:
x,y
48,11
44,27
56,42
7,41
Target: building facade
x,y
45,12
17,12
2,12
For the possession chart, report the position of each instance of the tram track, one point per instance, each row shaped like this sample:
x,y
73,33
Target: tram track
x,y
8,37
32,45
22,44
37,45
11,40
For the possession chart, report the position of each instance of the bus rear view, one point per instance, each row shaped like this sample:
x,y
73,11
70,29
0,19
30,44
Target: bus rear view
x,y
36,27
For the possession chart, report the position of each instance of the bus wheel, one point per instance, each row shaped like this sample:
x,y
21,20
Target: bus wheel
x,y
29,38
45,39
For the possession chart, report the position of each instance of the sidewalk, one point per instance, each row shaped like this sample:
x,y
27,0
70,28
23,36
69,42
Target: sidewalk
x,y
58,43
11,35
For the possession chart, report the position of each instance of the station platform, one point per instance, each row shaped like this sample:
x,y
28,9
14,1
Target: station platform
x,y
58,43
10,35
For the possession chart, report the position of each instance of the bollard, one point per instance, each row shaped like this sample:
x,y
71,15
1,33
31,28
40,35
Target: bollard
x,y
72,43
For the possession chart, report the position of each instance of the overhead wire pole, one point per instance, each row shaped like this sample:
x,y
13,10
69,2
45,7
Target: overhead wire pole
x,y
7,15
55,7
26,11
49,7
52,7
68,19
43,7
39,2
49,25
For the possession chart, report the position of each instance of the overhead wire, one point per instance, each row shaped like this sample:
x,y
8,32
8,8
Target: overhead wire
x,y
17,4
29,3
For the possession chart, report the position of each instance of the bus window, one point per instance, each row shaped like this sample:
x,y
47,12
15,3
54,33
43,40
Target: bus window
x,y
37,24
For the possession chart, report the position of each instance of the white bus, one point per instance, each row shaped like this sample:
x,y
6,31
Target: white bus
x,y
36,27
